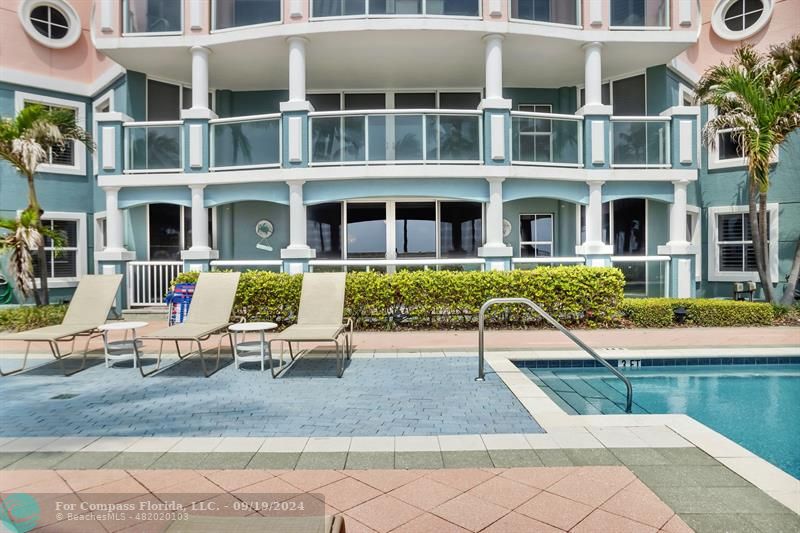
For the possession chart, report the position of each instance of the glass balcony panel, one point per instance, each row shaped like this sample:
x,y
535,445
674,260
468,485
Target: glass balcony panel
x,y
453,8
234,13
453,137
338,8
407,137
377,137
395,7
639,143
354,138
644,278
153,16
250,143
326,139
154,148
639,13
554,11
543,140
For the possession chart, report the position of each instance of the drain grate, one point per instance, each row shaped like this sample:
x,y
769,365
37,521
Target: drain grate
x,y
63,396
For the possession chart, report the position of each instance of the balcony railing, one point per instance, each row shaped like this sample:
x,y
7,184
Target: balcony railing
x,y
640,142
246,142
546,139
645,275
401,136
153,146
394,265
237,13
528,263
147,17
639,14
384,8
560,12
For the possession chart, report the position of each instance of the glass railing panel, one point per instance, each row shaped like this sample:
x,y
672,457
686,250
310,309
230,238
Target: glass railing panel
x,y
395,7
153,16
644,276
552,11
639,143
235,13
453,137
453,8
539,139
338,8
154,148
246,143
640,13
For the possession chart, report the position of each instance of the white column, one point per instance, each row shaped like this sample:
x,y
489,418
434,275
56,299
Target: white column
x,y
494,66
593,73
199,220
594,213
494,214
297,216
114,234
297,69
200,77
677,214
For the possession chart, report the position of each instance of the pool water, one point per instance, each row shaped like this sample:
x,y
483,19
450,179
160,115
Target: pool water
x,y
757,406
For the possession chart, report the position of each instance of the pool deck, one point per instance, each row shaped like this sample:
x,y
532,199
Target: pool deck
x,y
683,474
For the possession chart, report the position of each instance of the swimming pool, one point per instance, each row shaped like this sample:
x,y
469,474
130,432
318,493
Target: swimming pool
x,y
755,405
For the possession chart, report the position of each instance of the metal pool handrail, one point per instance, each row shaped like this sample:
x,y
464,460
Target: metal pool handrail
x,y
559,327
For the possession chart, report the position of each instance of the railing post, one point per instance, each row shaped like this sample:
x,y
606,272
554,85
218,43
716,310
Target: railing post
x,y
110,143
196,130
684,136
683,254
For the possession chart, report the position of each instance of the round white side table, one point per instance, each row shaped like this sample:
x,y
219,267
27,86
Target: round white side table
x,y
125,349
251,351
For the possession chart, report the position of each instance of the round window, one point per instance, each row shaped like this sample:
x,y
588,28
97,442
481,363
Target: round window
x,y
53,23
50,22
736,20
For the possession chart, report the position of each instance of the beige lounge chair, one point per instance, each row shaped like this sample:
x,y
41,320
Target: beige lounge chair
x,y
209,313
87,310
319,319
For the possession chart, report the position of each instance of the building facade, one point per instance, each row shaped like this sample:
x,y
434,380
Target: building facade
x,y
302,135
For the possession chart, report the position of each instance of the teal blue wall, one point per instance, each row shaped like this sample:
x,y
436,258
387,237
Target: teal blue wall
x,y
318,192
243,230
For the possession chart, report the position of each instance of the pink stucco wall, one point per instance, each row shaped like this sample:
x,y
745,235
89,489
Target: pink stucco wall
x,y
79,62
711,49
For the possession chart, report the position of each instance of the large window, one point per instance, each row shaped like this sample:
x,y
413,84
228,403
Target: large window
x,y
165,100
415,229
731,252
535,134
233,13
366,230
639,13
554,11
153,16
460,228
170,231
395,229
627,95
536,235
71,157
66,263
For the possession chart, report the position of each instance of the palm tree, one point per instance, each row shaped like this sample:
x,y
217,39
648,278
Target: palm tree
x,y
25,142
757,97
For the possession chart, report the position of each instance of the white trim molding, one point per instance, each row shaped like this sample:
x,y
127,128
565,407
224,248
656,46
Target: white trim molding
x,y
722,30
79,166
25,9
714,273
81,250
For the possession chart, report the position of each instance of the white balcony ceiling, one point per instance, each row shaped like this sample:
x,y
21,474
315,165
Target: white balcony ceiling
x,y
390,58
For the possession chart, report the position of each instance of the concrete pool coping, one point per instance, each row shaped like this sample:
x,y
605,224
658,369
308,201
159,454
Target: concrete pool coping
x,y
623,429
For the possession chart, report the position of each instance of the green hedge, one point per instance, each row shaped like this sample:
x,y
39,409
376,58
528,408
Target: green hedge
x,y
28,317
660,312
575,295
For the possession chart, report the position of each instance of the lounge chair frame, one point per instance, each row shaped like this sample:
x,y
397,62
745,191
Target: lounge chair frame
x,y
343,351
56,351
193,340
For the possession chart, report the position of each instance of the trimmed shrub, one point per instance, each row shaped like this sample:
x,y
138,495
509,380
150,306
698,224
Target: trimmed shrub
x,y
575,295
27,317
659,312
